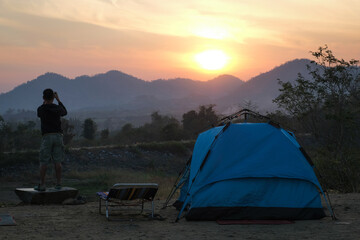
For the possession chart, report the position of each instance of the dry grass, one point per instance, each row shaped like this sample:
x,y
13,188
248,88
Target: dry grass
x,y
90,182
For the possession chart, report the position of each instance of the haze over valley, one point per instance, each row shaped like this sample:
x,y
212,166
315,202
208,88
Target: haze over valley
x,y
123,98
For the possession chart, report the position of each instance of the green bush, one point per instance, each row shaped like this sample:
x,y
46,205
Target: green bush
x,y
325,103
340,174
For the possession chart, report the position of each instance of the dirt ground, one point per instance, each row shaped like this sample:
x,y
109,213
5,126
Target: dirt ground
x,y
85,222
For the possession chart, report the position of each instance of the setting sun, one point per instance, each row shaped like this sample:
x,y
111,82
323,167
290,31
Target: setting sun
x,y
212,59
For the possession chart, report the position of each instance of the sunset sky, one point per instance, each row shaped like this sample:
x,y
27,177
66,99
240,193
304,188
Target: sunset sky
x,y
152,39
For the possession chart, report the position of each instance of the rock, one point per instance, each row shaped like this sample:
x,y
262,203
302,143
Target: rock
x,y
50,196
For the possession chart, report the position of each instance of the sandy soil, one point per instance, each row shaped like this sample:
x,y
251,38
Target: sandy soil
x,y
85,222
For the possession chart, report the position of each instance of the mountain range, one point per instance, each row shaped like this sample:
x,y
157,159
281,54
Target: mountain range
x,y
116,92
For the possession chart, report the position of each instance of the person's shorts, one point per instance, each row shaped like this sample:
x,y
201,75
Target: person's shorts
x,y
52,148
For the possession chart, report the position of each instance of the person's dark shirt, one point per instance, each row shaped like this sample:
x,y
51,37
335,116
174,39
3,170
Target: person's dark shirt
x,y
49,115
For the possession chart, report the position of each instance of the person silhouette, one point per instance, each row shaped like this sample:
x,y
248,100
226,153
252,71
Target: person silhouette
x,y
52,146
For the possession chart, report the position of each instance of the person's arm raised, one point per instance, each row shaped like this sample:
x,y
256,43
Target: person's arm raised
x,y
63,110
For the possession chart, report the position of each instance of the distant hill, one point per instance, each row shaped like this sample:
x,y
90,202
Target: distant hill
x,y
120,96
262,89
117,90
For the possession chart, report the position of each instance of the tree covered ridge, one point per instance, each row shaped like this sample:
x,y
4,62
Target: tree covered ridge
x,y
26,135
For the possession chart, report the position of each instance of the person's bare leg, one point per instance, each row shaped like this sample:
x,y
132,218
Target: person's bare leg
x,y
43,168
58,168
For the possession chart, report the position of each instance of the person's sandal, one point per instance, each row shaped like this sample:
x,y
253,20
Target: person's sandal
x,y
58,186
40,188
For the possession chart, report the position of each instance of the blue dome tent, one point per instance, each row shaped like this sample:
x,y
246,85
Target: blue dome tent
x,y
250,171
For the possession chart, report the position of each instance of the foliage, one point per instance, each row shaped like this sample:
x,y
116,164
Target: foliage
x,y
248,104
327,106
161,128
67,131
21,136
89,129
166,128
127,134
341,174
105,134
197,122
77,127
3,133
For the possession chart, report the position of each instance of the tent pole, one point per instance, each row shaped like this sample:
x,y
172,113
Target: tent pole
x,y
176,184
326,197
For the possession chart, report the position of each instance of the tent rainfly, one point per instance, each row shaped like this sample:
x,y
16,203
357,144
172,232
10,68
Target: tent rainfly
x,y
250,171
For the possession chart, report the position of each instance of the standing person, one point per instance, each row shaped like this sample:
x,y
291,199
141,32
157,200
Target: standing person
x,y
52,146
